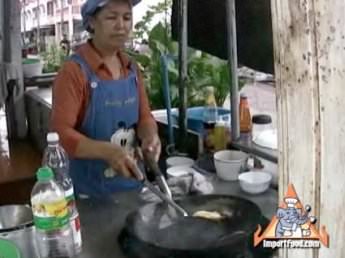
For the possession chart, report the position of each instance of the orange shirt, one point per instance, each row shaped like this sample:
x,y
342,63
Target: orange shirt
x,y
71,94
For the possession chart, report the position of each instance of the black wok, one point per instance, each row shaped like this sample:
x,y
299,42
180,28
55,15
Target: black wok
x,y
155,230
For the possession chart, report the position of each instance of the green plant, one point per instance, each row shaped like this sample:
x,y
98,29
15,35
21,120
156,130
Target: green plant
x,y
142,28
203,69
53,59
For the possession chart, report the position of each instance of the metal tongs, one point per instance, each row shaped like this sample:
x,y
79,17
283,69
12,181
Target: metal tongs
x,y
164,193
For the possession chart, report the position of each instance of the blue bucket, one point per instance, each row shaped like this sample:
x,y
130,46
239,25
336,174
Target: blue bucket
x,y
195,117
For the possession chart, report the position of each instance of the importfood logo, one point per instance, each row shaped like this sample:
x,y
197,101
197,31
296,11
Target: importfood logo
x,y
292,226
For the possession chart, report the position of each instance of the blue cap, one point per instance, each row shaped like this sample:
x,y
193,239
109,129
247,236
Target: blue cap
x,y
90,6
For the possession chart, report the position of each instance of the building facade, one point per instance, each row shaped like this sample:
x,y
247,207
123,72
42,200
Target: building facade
x,y
46,21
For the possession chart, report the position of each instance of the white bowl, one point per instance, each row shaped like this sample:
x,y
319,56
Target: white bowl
x,y
255,182
229,163
177,171
179,161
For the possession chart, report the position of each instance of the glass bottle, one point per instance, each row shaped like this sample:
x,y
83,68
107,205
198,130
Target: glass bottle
x,y
245,119
210,117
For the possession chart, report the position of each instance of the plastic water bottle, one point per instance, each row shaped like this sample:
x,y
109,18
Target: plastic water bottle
x,y
56,158
210,115
51,217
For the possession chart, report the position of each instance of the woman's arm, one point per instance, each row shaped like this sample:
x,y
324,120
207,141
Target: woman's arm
x,y
147,127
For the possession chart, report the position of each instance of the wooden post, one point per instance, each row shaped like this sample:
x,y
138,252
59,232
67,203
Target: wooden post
x,y
309,45
1,31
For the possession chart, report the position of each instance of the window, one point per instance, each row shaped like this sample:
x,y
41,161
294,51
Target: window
x,y
34,12
50,8
42,9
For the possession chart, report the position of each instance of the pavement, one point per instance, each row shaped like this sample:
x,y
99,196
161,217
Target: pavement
x,y
261,98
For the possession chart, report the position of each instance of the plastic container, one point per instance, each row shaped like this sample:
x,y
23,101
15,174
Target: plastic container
x,y
32,67
55,157
54,235
195,117
261,123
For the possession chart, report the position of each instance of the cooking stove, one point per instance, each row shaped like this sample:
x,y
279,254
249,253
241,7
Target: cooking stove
x,y
132,247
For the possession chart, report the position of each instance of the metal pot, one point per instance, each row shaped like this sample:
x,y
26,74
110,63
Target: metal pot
x,y
16,225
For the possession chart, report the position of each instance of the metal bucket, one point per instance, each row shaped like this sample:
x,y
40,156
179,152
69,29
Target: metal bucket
x,y
16,225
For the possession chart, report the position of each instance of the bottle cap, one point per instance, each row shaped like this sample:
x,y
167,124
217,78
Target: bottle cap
x,y
44,174
52,137
262,119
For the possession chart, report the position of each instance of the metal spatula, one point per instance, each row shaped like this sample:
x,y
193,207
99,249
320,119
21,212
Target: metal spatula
x,y
154,167
164,198
164,193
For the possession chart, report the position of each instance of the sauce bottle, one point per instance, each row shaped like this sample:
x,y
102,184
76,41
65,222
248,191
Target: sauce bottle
x,y
245,118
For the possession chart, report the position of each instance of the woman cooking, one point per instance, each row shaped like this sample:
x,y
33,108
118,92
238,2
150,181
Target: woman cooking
x,y
100,107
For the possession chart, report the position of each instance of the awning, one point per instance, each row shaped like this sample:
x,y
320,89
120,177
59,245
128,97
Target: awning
x,y
207,30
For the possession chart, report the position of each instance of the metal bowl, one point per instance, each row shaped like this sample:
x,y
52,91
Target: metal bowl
x,y
16,226
14,217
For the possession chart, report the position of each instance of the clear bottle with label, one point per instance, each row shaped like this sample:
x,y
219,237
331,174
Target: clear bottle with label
x,y
55,157
54,235
210,117
222,133
220,136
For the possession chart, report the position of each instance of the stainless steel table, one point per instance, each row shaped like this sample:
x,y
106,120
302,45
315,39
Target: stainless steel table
x,y
102,221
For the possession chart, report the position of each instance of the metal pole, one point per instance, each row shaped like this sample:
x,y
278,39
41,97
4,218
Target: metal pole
x,y
62,20
183,47
24,19
232,59
38,27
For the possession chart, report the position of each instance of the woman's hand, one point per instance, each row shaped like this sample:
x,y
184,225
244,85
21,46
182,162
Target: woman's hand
x,y
151,145
123,163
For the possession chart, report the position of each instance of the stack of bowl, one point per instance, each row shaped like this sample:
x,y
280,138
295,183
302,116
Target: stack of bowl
x,y
179,166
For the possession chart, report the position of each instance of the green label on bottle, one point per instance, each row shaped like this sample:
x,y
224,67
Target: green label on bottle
x,y
51,216
70,198
51,223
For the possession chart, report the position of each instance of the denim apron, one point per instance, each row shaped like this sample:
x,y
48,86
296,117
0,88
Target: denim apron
x,y
113,104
